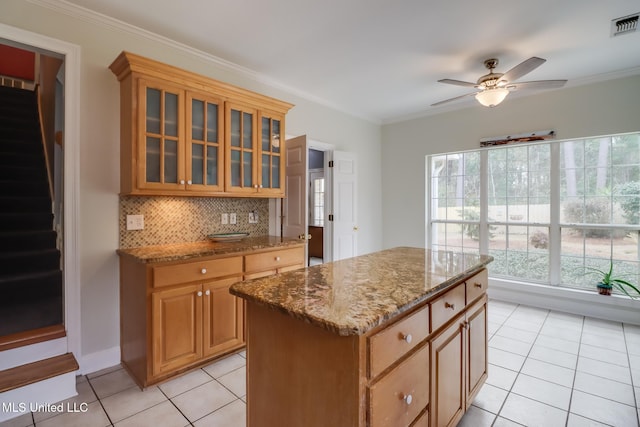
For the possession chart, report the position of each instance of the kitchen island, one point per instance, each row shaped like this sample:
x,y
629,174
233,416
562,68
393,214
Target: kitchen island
x,y
397,338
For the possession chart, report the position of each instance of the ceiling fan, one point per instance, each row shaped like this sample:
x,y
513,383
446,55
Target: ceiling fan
x,y
493,88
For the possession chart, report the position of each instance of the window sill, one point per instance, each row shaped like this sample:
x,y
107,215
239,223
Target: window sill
x,y
615,307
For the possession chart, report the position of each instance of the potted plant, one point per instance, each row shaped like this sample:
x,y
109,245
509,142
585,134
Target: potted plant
x,y
608,281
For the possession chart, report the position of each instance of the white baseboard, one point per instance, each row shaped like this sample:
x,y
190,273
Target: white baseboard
x,y
99,360
575,301
39,396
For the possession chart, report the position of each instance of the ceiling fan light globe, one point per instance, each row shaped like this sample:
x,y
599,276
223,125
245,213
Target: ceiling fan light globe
x,y
492,97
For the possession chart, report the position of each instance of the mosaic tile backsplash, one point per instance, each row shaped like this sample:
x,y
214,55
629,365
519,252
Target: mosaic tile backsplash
x,y
188,219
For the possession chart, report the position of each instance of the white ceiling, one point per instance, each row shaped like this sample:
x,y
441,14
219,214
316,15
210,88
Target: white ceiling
x,y
381,59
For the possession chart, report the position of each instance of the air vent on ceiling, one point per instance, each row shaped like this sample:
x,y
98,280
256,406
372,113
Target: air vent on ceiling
x,y
624,25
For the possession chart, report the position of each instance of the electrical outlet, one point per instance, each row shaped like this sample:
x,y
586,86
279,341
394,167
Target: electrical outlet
x,y
232,218
225,218
253,218
135,222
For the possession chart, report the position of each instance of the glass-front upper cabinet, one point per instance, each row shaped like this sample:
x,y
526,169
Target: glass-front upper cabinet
x,y
242,153
205,143
271,167
162,161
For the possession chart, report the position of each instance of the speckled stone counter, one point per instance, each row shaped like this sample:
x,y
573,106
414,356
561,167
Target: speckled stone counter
x,y
184,251
352,296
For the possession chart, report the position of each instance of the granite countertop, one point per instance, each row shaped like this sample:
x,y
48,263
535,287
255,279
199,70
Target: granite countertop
x,y
184,251
352,296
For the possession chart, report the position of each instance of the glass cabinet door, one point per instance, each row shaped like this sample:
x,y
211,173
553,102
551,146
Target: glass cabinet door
x,y
241,149
162,165
205,135
271,154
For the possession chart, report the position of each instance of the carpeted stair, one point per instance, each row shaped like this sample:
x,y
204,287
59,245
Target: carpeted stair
x,y
30,274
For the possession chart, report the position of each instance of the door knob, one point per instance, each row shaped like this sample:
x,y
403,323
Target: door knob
x,y
355,228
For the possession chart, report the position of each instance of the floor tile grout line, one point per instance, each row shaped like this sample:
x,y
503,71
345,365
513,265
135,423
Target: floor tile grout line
x,y
633,388
176,406
100,400
575,371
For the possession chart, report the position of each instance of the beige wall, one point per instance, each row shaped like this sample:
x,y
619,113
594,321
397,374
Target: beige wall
x,y
590,110
99,148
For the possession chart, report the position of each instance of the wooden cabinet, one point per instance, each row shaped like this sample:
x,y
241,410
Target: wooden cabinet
x,y
179,315
458,355
185,134
254,151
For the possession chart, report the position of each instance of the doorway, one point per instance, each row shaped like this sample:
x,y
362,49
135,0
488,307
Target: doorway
x,y
65,160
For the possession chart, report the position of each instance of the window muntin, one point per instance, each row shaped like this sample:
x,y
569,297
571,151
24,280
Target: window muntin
x,y
593,217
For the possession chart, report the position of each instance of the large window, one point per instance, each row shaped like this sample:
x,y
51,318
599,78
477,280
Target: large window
x,y
544,211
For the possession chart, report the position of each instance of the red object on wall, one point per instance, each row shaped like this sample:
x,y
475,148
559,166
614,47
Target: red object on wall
x,y
16,62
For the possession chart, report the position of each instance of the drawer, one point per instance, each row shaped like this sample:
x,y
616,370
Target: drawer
x,y
165,275
477,286
399,397
447,306
395,341
274,259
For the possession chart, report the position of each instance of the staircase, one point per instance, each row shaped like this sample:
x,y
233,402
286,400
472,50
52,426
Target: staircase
x,y
30,274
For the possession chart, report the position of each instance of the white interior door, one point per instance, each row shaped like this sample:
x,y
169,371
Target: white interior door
x,y
295,205
345,195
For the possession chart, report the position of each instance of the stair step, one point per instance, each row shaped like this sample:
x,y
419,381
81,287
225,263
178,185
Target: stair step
x,y
25,221
22,173
27,288
27,240
12,263
20,188
25,205
21,159
21,376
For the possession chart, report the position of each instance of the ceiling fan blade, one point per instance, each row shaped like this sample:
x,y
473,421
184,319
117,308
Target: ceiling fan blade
x,y
458,83
522,68
453,99
540,84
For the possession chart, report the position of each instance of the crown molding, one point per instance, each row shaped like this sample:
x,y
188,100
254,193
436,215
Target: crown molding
x,y
96,18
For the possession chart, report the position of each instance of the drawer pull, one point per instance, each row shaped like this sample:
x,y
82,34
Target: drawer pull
x,y
203,271
408,338
407,398
199,293
451,306
277,258
478,285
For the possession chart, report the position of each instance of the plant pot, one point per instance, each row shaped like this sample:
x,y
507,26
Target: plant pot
x,y
604,289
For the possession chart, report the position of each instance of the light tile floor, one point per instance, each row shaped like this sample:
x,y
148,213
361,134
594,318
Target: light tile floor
x,y
545,369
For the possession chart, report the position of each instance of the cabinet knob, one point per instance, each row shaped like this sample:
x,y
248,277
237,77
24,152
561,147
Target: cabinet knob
x,y
189,182
207,292
203,271
260,185
255,186
199,293
182,182
277,258
477,285
451,306
407,398
408,338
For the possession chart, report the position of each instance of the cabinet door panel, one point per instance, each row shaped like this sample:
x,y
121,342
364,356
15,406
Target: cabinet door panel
x,y
223,317
476,349
205,143
271,170
447,371
176,327
241,150
160,137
